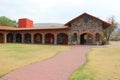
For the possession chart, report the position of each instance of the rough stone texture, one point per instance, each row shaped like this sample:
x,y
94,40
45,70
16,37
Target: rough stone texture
x,y
86,24
57,68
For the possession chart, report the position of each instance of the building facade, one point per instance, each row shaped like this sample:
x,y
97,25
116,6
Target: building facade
x,y
84,29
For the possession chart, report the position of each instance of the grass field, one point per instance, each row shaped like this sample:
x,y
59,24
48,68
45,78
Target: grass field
x,y
13,56
103,64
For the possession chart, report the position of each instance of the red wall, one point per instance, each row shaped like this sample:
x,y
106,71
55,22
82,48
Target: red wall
x,y
25,23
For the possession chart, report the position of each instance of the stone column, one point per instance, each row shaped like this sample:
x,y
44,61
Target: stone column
x,y
43,39
5,38
69,39
32,38
55,39
94,39
22,38
78,38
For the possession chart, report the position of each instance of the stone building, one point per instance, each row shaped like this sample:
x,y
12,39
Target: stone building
x,y
84,29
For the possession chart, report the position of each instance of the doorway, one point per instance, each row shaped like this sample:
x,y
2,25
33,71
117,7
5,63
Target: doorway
x,y
86,39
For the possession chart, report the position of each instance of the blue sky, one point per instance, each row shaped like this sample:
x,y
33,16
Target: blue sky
x,y
58,11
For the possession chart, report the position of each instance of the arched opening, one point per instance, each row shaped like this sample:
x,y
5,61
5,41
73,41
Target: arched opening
x,y
82,39
37,38
74,38
97,37
10,38
27,38
75,35
62,38
1,38
86,38
49,38
18,38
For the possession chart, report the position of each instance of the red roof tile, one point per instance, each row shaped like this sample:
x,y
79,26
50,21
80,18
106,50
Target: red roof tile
x,y
39,28
7,28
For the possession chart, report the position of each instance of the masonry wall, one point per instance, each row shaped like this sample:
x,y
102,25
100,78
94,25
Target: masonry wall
x,y
86,24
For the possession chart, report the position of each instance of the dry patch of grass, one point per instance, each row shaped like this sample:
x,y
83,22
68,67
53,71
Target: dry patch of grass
x,y
13,56
103,64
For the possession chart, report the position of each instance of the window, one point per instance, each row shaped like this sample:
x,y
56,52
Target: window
x,y
86,20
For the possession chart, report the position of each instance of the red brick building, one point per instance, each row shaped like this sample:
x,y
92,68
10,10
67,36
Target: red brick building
x,y
84,29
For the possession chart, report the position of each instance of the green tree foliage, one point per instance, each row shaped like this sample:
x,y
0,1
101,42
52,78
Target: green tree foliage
x,y
108,31
4,21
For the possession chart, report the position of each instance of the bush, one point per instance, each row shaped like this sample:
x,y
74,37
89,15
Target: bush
x,y
115,39
104,42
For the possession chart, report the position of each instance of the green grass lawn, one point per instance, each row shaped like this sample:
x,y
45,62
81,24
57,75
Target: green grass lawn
x,y
13,56
103,64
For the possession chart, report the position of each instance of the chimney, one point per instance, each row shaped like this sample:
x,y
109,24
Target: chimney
x,y
25,23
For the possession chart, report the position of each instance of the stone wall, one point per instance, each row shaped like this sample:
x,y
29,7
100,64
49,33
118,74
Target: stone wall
x,y
86,24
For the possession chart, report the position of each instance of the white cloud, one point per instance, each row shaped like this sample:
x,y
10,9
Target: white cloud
x,y
58,10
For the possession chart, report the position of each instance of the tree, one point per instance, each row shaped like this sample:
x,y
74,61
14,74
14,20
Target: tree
x,y
108,31
116,35
4,21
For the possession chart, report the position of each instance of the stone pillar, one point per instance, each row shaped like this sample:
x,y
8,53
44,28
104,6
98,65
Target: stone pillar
x,y
32,38
69,39
94,39
78,38
5,38
55,39
22,38
43,39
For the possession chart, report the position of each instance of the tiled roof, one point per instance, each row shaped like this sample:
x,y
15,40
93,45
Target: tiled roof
x,y
34,28
44,28
7,28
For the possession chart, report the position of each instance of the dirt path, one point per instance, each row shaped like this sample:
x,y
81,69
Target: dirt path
x,y
58,68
